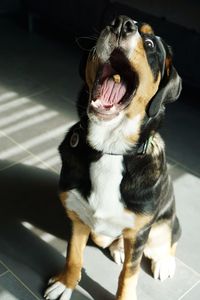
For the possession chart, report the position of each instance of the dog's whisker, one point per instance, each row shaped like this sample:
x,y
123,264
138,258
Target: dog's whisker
x,y
85,38
96,31
93,52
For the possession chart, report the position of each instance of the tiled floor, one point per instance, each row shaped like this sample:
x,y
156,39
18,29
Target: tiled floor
x,y
38,87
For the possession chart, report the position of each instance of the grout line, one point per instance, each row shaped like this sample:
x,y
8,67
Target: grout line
x,y
12,164
179,164
171,162
190,289
4,273
18,279
73,102
188,267
171,167
27,151
36,93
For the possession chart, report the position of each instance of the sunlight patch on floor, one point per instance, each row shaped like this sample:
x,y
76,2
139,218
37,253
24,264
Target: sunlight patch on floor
x,y
19,115
12,118
7,96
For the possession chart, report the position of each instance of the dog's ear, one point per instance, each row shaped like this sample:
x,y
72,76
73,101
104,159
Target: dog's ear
x,y
169,91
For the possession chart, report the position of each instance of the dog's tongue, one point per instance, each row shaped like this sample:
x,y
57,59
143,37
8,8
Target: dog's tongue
x,y
112,92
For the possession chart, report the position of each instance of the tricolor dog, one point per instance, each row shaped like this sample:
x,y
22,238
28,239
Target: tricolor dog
x,y
114,183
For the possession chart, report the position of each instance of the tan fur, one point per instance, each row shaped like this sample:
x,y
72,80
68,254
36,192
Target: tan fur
x,y
168,63
133,138
146,28
63,197
127,284
71,274
148,86
140,221
129,275
91,70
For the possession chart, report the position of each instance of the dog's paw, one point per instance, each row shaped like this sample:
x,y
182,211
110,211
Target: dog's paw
x,y
57,290
117,251
164,268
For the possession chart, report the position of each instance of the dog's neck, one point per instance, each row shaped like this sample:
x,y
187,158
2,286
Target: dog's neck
x,y
111,137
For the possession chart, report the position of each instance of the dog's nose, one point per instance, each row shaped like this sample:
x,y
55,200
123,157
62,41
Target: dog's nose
x,y
123,25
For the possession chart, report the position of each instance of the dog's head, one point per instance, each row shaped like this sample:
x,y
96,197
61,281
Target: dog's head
x,y
130,72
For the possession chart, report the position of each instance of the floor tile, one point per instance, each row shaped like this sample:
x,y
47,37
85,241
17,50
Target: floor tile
x,y
194,294
187,194
12,289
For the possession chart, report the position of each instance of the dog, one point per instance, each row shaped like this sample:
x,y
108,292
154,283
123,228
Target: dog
x,y
114,183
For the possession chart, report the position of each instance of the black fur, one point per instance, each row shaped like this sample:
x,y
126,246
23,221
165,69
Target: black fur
x,y
76,161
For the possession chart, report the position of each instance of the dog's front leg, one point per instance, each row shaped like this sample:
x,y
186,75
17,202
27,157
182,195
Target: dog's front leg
x,y
129,274
63,284
134,243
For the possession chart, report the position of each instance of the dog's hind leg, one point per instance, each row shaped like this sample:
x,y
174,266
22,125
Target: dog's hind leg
x,y
161,248
116,246
117,250
102,241
62,285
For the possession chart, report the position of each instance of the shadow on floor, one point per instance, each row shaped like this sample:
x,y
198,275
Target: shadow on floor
x,y
30,194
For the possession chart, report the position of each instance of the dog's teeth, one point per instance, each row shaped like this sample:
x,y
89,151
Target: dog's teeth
x,y
116,78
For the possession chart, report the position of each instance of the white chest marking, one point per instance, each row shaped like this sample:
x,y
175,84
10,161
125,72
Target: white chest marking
x,y
111,136
103,212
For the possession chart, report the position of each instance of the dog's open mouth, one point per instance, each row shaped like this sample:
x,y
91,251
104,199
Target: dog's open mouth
x,y
114,86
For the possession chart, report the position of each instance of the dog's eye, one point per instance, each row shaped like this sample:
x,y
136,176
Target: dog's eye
x,y
149,43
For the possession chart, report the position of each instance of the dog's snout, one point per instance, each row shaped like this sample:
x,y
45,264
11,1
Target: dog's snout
x,y
123,26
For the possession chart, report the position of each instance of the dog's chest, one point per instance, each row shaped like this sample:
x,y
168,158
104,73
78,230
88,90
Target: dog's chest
x,y
103,211
106,176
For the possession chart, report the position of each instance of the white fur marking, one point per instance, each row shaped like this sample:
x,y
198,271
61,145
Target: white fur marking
x,y
164,268
103,213
130,43
117,251
111,136
56,290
